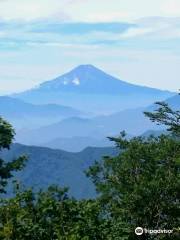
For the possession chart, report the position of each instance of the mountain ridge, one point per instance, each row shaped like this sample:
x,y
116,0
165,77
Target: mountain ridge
x,y
47,166
15,110
86,71
87,87
132,121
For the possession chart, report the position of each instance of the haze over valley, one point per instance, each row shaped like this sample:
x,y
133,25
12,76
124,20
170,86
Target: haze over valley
x,y
84,106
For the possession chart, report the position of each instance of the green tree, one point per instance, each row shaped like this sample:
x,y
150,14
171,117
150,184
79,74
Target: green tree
x,y
50,215
164,115
141,186
7,168
46,215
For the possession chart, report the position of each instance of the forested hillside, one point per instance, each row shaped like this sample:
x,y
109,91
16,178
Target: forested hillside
x,y
46,166
138,185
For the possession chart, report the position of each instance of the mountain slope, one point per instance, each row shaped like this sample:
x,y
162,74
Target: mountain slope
x,y
77,143
174,102
46,166
132,121
20,113
89,79
87,87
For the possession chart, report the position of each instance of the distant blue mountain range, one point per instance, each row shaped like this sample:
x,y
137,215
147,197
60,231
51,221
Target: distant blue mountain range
x,y
27,115
91,131
46,166
81,108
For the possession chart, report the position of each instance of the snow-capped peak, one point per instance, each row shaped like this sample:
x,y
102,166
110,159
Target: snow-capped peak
x,y
76,81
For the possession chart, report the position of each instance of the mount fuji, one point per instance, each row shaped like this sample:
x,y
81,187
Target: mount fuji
x,y
87,87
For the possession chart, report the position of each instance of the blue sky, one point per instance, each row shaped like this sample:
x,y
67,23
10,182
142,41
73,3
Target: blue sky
x,y
137,41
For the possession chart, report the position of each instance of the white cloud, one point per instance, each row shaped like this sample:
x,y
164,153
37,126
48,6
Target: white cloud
x,y
86,10
32,9
107,16
162,28
135,32
154,28
30,56
171,7
118,10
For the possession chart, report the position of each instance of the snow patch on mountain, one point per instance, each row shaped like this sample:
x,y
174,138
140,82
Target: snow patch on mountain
x,y
76,81
65,82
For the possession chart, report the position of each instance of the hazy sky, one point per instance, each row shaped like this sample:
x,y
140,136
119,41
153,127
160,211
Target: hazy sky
x,y
135,40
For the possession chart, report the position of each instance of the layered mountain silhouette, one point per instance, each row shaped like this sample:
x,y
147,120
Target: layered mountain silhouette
x,y
132,121
76,110
87,87
67,133
22,114
77,143
46,167
47,115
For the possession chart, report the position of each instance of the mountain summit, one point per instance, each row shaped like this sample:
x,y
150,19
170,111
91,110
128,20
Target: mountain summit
x,y
89,79
87,87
